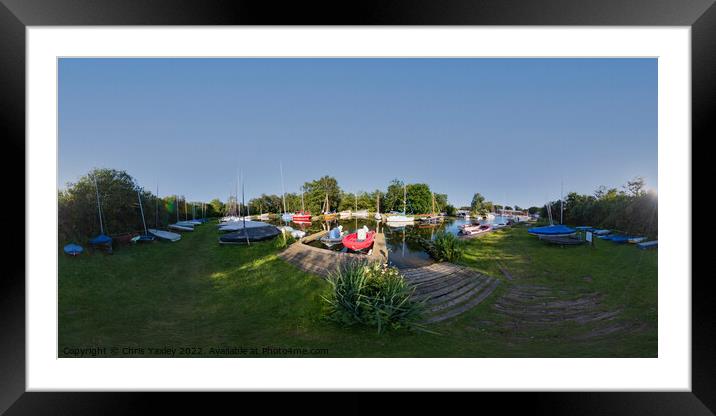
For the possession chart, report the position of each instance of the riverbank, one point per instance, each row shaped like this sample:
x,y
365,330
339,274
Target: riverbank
x,y
213,300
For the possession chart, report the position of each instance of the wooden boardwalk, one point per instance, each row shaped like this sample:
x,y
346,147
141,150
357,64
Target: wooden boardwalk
x,y
321,261
448,289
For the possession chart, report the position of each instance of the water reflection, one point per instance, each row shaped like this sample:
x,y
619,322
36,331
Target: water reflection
x,y
403,242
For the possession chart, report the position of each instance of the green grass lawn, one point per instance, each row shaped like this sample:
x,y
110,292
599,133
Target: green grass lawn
x,y
197,295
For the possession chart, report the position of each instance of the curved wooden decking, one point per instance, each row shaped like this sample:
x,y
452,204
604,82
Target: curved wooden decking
x,y
321,261
448,289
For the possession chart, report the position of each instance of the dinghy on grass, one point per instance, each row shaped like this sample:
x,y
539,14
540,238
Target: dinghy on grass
x,y
165,235
251,234
552,230
180,225
647,245
73,249
101,241
146,237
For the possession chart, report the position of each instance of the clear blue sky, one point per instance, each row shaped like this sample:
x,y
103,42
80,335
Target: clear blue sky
x,y
511,129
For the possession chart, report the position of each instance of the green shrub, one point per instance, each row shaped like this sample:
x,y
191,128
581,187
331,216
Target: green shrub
x,y
284,240
445,247
371,294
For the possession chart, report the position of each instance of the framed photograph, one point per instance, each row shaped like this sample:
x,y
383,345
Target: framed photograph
x,y
405,199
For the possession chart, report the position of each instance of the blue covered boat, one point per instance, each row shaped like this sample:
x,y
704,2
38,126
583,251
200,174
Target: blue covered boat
x,y
584,228
647,245
552,230
100,240
73,249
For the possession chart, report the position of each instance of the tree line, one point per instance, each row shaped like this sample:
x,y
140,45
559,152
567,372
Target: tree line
x,y
79,218
631,209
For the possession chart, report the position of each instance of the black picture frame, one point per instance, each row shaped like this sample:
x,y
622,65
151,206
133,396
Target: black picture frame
x,y
16,15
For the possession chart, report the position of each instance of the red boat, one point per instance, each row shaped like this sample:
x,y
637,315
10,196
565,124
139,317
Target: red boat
x,y
351,241
302,216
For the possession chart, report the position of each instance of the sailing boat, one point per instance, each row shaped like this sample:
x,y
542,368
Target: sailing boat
x,y
302,216
327,214
146,237
286,216
101,239
362,213
164,235
400,220
180,225
432,218
377,206
263,216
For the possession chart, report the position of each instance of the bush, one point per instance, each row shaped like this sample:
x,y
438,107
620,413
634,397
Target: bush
x,y
445,247
284,240
371,294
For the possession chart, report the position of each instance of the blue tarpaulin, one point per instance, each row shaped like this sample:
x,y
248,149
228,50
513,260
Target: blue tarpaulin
x,y
552,230
100,239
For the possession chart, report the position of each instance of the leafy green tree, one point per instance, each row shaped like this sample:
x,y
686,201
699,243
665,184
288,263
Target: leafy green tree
x,y
216,207
315,194
419,199
450,210
477,206
78,217
394,196
533,210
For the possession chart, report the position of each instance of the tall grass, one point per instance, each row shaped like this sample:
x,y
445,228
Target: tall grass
x,y
445,247
371,294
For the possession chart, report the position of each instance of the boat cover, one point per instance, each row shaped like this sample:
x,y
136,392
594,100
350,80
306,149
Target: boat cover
x,y
648,244
73,249
265,232
100,240
165,235
552,230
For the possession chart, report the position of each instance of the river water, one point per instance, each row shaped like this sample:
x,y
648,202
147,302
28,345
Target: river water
x,y
404,248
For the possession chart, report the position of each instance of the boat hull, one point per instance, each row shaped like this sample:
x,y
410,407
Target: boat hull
x,y
351,241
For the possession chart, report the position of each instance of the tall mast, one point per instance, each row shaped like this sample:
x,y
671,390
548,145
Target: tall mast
x,y
156,219
283,189
561,201
356,196
242,202
303,206
99,210
405,196
176,202
142,211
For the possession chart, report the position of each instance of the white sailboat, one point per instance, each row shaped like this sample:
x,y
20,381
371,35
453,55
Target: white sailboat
x,y
399,220
164,235
377,206
363,213
180,225
286,216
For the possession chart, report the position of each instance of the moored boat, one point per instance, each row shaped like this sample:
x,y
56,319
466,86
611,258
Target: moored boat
x,y
334,236
358,242
301,216
472,229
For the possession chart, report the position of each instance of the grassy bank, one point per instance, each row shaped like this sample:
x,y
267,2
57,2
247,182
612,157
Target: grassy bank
x,y
198,295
